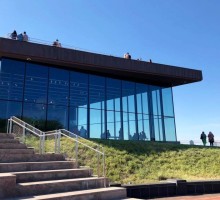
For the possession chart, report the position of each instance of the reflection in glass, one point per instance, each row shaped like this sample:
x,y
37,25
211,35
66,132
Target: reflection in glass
x,y
113,93
167,102
58,86
158,129
8,109
156,100
170,129
127,134
142,98
109,100
132,126
77,119
78,89
35,114
110,125
36,83
57,117
128,91
96,91
96,123
11,80
146,126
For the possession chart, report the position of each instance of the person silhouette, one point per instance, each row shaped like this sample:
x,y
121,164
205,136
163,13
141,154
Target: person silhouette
x,y
13,35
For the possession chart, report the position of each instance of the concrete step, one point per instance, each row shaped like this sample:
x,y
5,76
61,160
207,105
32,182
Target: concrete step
x,y
110,193
8,140
16,151
6,136
8,158
33,176
35,166
12,146
56,186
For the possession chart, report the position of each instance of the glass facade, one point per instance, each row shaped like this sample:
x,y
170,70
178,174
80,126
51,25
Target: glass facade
x,y
89,105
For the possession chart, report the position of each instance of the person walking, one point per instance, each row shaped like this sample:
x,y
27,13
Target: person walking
x,y
203,138
211,138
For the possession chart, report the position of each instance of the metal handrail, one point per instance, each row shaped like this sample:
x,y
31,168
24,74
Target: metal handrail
x,y
24,127
77,138
57,134
81,138
49,43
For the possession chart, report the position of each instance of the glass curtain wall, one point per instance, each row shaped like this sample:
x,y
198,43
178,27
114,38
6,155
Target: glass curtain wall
x,y
88,105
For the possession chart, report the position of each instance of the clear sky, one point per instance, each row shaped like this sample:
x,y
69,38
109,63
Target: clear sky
x,y
182,33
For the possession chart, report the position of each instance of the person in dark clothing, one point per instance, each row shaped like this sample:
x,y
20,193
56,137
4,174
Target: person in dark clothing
x,y
211,138
14,35
203,138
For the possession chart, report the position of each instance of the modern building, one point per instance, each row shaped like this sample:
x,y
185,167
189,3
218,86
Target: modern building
x,y
93,95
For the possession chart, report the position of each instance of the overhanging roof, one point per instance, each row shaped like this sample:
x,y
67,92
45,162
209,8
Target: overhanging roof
x,y
141,71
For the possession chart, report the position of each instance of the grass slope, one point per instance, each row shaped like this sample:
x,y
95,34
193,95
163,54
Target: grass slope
x,y
141,161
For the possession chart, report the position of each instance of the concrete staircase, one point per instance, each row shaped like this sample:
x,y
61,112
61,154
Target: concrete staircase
x,y
27,175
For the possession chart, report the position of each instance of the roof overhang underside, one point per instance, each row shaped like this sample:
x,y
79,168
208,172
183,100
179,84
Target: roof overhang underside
x,y
115,67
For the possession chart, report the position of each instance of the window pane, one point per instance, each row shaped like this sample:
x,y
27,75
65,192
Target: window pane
x,y
96,123
78,121
113,94
110,125
167,102
35,114
11,79
96,91
78,89
118,130
129,126
57,117
8,109
158,128
142,98
128,91
58,86
170,129
156,100
127,134
36,83
146,126
132,127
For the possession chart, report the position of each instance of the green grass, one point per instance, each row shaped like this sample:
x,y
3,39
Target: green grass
x,y
142,162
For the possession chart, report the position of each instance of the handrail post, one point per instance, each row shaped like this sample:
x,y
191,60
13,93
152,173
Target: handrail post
x,y
58,144
40,145
104,167
23,133
76,151
43,143
98,164
10,126
55,146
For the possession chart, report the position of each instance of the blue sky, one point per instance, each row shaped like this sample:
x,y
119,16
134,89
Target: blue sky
x,y
181,33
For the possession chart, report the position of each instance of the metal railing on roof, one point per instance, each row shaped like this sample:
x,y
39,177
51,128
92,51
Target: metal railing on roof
x,y
50,43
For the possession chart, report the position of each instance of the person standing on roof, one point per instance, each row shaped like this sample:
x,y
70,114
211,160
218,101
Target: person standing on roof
x,y
25,37
127,56
57,43
13,35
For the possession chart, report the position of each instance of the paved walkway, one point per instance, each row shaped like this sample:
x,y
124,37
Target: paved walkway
x,y
194,197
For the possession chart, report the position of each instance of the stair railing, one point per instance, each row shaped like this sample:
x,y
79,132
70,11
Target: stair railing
x,y
26,127
98,149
